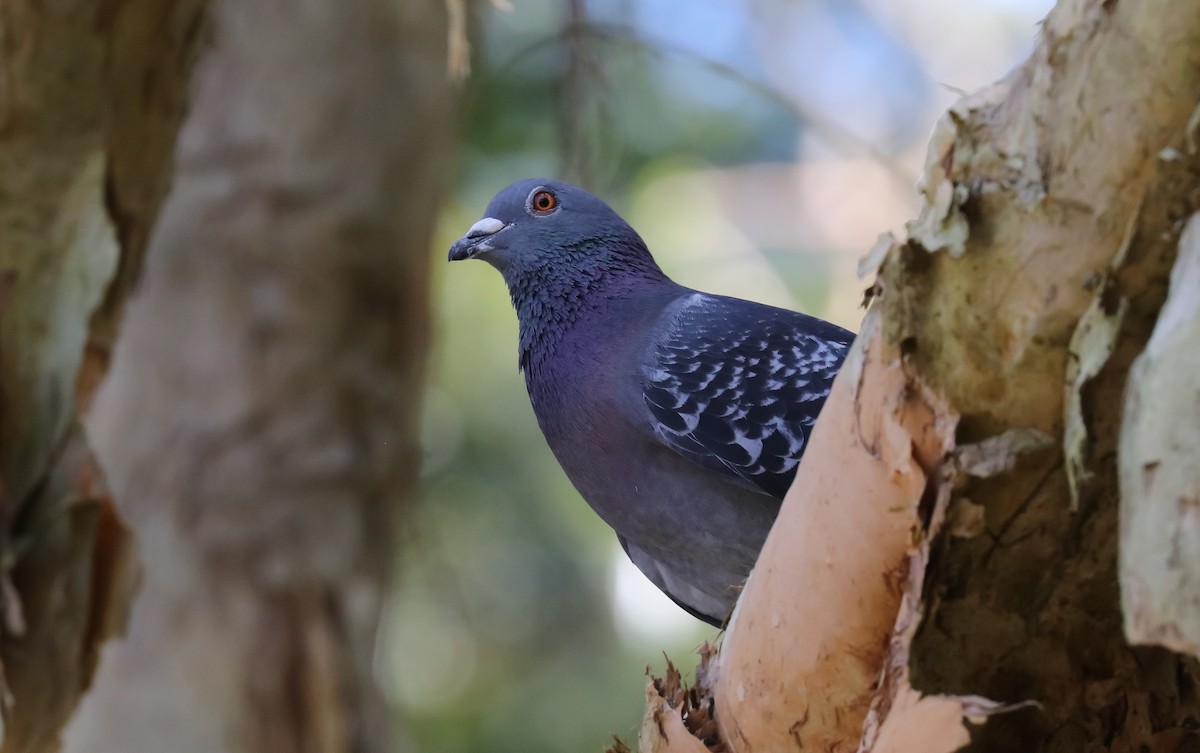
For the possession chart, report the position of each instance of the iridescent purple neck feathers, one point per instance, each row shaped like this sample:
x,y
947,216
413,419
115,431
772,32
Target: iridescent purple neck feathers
x,y
552,296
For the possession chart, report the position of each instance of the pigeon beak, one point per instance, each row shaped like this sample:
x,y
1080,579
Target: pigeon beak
x,y
477,239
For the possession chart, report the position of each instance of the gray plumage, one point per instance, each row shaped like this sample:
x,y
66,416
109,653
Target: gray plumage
x,y
679,416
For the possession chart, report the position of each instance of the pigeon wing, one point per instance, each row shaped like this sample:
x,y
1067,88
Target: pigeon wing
x,y
736,386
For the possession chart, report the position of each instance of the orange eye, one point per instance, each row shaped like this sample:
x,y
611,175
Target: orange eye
x,y
543,201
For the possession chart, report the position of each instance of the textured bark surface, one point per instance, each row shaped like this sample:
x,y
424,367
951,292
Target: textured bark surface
x,y
1033,277
851,536
90,103
1075,175
1160,472
259,425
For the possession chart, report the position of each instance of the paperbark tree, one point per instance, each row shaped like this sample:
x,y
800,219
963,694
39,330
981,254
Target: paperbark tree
x,y
91,95
259,425
945,568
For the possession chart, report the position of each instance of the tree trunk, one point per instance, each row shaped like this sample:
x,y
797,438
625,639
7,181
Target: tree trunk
x,y
949,549
259,425
90,102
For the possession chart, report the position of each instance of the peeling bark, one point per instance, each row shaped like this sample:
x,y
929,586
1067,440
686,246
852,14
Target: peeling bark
x,y
983,400
1073,208
69,115
850,536
259,426
1160,472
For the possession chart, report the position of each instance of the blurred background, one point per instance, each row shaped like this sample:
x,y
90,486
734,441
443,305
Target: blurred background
x,y
759,148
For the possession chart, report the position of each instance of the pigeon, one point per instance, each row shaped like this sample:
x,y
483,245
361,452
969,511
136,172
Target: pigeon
x,y
679,416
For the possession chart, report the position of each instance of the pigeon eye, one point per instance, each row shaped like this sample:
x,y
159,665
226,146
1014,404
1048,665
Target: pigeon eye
x,y
543,201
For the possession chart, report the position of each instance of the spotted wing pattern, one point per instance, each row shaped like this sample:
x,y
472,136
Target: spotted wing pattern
x,y
736,386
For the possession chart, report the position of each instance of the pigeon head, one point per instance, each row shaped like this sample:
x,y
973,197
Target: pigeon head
x,y
541,232
562,253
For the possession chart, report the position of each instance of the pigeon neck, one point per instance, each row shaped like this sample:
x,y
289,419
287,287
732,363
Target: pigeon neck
x,y
549,307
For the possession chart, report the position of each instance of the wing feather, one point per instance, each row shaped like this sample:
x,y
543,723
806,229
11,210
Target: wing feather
x,y
737,386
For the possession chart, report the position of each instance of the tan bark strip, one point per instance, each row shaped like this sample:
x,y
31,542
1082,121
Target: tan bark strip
x,y
806,646
931,724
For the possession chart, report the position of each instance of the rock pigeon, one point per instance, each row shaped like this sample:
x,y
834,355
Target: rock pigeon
x,y
679,416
